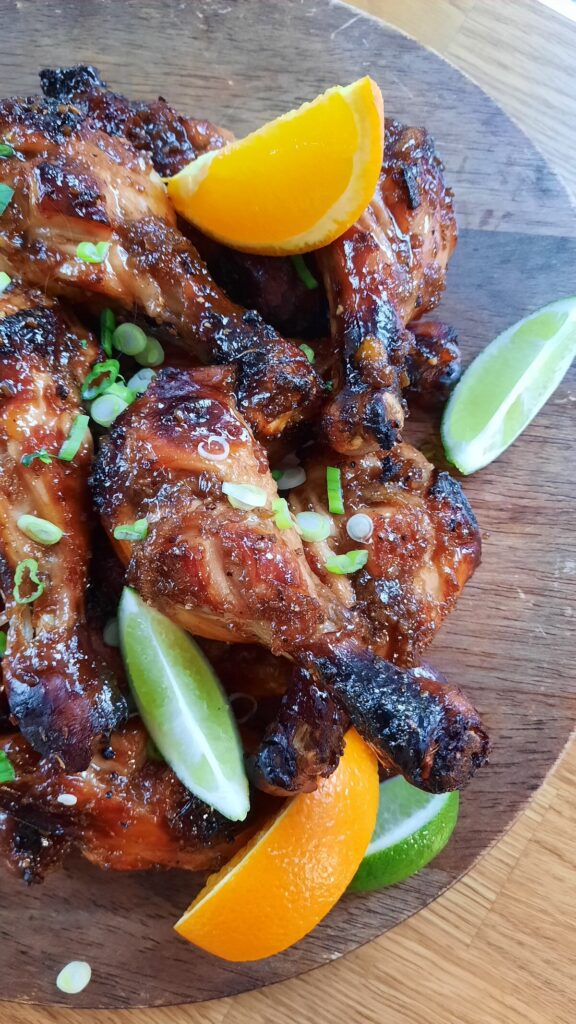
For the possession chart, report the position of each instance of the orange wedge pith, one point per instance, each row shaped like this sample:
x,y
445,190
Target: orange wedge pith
x,y
275,890
296,183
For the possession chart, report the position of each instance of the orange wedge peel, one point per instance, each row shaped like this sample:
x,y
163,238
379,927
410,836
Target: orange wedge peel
x,y
294,185
292,872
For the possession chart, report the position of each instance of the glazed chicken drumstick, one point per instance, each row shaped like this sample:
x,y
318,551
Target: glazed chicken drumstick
x,y
69,184
124,812
231,573
385,271
61,693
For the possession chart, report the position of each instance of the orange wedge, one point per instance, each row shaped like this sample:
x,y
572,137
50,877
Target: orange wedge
x,y
276,889
295,184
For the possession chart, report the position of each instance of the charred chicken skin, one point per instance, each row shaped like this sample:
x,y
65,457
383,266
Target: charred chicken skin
x,y
73,183
385,271
424,543
228,573
62,695
124,812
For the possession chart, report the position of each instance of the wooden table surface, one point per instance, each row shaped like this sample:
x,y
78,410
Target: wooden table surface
x,y
499,947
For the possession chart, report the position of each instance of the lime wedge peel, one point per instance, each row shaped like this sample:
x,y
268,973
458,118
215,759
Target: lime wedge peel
x,y
183,706
507,384
411,829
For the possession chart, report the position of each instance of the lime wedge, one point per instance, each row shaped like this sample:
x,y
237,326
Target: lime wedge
x,y
507,384
411,829
183,706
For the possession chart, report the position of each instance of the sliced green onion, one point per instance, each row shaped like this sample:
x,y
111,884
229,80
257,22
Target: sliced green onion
x,y
74,977
5,280
334,490
313,526
6,151
304,274
31,565
107,408
141,381
7,773
111,633
244,496
71,445
6,194
277,473
108,370
107,328
291,477
3,642
132,531
40,530
121,391
153,354
83,343
360,527
91,253
129,339
282,516
41,455
308,352
343,565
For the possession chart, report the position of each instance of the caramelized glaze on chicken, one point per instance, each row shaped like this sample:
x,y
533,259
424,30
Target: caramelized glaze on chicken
x,y
61,693
384,271
228,573
73,183
129,812
423,546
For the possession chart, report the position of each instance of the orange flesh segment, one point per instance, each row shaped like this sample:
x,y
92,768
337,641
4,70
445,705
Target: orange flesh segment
x,y
295,184
275,890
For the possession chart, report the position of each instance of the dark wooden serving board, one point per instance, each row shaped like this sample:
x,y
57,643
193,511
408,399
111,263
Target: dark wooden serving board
x,y
511,640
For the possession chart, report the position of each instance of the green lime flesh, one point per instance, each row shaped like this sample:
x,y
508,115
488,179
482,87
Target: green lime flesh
x,y
183,706
507,384
412,827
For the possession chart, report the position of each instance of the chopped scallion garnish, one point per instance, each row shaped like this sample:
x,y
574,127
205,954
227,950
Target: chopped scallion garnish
x,y
7,773
41,455
6,151
40,530
108,371
343,565
291,477
152,355
6,194
5,280
304,274
29,567
3,642
334,489
244,496
313,526
71,445
308,352
91,253
129,339
132,531
277,473
107,328
141,381
282,516
108,407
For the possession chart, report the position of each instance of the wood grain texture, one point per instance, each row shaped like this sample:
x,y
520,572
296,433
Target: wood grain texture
x,y
508,641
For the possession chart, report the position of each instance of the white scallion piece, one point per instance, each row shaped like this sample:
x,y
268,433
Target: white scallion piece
x,y
74,977
67,799
313,526
141,380
360,527
244,496
292,477
215,448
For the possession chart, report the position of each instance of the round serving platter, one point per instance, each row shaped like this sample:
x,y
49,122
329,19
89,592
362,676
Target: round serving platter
x,y
510,642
